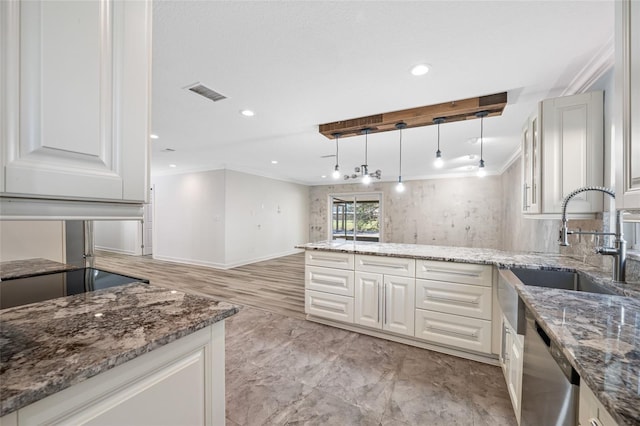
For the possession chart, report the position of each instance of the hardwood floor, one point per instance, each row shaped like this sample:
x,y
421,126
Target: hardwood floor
x,y
274,285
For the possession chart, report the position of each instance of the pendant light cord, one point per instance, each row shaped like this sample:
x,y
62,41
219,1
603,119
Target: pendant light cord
x,y
337,150
438,136
481,137
366,146
400,167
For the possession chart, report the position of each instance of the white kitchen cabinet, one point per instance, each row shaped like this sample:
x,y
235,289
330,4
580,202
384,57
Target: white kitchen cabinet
x,y
329,280
591,412
453,330
511,360
627,104
531,175
329,306
180,383
75,108
385,302
563,149
330,285
454,304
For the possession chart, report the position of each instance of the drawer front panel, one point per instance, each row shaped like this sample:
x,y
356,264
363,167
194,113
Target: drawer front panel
x,y
329,280
455,331
459,299
461,273
329,259
398,266
330,306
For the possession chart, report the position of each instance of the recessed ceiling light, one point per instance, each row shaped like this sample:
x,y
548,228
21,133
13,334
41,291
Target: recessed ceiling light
x,y
420,69
172,165
247,113
323,176
274,161
152,136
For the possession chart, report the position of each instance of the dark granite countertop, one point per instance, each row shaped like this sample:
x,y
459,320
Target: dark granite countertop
x,y
29,267
48,346
599,334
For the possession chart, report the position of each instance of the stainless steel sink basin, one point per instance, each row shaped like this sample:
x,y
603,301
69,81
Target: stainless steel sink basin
x,y
559,279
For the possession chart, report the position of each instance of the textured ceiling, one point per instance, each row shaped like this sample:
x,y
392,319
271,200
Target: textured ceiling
x,y
298,64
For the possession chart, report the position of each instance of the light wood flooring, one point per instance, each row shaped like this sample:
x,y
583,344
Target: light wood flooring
x,y
275,285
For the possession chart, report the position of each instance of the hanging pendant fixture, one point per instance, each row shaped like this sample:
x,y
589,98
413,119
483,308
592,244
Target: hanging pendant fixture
x,y
363,170
400,185
336,169
482,172
439,162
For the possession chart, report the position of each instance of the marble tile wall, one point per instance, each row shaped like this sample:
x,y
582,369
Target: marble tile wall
x,y
463,212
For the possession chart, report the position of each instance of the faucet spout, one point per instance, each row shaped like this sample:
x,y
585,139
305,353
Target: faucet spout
x,y
619,251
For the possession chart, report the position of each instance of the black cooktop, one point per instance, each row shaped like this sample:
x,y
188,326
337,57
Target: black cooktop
x,y
37,288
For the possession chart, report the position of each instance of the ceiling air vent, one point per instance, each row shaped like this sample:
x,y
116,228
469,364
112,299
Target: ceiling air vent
x,y
203,90
168,150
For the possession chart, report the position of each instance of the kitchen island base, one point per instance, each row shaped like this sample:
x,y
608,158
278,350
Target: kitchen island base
x,y
179,383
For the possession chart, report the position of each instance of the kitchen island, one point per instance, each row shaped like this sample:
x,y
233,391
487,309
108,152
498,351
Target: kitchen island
x,y
136,352
599,334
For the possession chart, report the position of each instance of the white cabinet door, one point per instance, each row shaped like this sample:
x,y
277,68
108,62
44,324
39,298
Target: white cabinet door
x,y
627,107
591,411
531,170
329,280
453,330
572,151
399,305
330,306
75,112
459,299
368,299
514,372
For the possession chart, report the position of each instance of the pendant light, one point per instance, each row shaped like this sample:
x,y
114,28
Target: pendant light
x,y
336,169
481,170
364,169
438,163
400,185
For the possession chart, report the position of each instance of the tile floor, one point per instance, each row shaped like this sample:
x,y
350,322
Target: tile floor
x,y
286,371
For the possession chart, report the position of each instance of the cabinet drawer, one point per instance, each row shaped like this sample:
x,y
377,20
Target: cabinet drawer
x,y
330,306
455,331
329,280
329,259
462,273
459,299
398,266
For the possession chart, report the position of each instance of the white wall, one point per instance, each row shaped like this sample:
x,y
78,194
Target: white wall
x,y
265,218
118,236
32,239
190,218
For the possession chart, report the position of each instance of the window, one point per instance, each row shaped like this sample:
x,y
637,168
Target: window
x,y
355,217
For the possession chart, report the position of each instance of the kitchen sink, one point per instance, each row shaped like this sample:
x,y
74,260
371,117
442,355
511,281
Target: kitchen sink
x,y
560,279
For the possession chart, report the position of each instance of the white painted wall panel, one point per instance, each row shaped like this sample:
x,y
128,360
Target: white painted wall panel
x,y
118,236
190,218
32,239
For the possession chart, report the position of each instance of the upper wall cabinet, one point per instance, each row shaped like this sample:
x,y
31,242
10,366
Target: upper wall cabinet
x,y
562,150
76,80
627,104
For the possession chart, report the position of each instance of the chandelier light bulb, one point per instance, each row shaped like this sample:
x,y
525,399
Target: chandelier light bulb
x,y
400,187
366,179
482,172
336,173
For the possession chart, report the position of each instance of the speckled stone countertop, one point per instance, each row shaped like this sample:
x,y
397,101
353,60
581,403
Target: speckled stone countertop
x,y
29,267
501,259
48,346
599,334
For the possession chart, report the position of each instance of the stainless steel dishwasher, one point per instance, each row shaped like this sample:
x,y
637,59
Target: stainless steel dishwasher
x,y
550,385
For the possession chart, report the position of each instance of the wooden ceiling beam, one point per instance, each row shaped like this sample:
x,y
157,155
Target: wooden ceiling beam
x,y
464,109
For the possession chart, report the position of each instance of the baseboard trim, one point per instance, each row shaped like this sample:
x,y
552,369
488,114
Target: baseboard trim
x,y
483,358
115,250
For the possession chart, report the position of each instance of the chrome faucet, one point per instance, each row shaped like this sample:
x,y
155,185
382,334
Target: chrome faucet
x,y
619,250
